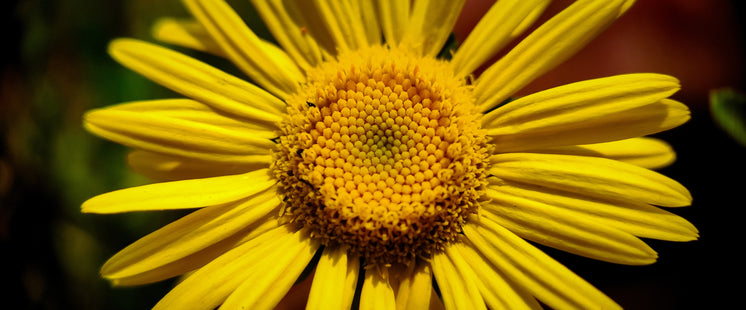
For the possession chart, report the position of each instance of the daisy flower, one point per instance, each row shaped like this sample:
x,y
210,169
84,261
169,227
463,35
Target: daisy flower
x,y
399,178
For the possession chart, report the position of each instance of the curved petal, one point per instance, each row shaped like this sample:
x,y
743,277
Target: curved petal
x,y
210,285
456,281
289,27
197,80
593,111
343,22
414,289
504,21
334,281
173,168
422,34
194,111
549,45
186,33
178,137
497,291
377,292
636,218
645,152
569,232
272,275
590,176
197,259
530,268
184,194
190,234
393,16
268,67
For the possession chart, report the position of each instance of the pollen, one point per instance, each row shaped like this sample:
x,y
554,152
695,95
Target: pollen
x,y
382,152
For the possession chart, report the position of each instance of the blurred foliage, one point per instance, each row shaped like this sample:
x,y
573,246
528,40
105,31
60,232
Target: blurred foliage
x,y
728,108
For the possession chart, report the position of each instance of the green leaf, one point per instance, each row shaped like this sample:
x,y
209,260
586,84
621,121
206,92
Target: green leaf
x,y
728,108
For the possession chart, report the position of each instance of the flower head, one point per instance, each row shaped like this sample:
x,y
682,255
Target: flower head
x,y
354,144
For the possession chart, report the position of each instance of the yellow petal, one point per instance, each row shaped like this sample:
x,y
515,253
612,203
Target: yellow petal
x,y
394,18
636,218
422,34
569,232
334,281
645,152
289,27
197,80
456,280
593,111
197,259
273,274
415,287
268,67
187,33
343,22
377,292
177,137
504,21
210,285
549,45
190,234
591,176
370,22
194,111
526,266
497,291
161,167
184,194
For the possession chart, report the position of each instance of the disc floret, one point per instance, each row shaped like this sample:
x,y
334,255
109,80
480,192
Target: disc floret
x,y
382,153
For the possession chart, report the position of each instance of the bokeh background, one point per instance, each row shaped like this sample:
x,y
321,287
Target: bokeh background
x,y
55,67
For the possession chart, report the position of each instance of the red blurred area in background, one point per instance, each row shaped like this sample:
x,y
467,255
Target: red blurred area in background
x,y
699,42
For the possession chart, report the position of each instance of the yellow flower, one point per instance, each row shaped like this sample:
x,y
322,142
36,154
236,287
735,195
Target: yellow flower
x,y
358,152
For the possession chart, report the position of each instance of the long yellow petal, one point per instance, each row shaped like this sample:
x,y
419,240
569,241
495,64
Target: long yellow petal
x,y
645,152
289,27
178,137
370,22
269,68
526,266
456,280
197,80
377,292
504,21
273,273
186,194
581,235
497,291
591,176
194,111
334,281
393,16
343,22
190,234
161,167
639,219
209,286
200,258
422,34
549,45
415,287
593,111
186,33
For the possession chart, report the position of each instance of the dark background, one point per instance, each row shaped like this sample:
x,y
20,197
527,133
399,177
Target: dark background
x,y
55,67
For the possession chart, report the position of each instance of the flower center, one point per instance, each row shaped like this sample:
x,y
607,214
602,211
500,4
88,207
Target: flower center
x,y
381,152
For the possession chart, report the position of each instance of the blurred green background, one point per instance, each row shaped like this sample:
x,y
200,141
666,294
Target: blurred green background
x,y
55,67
